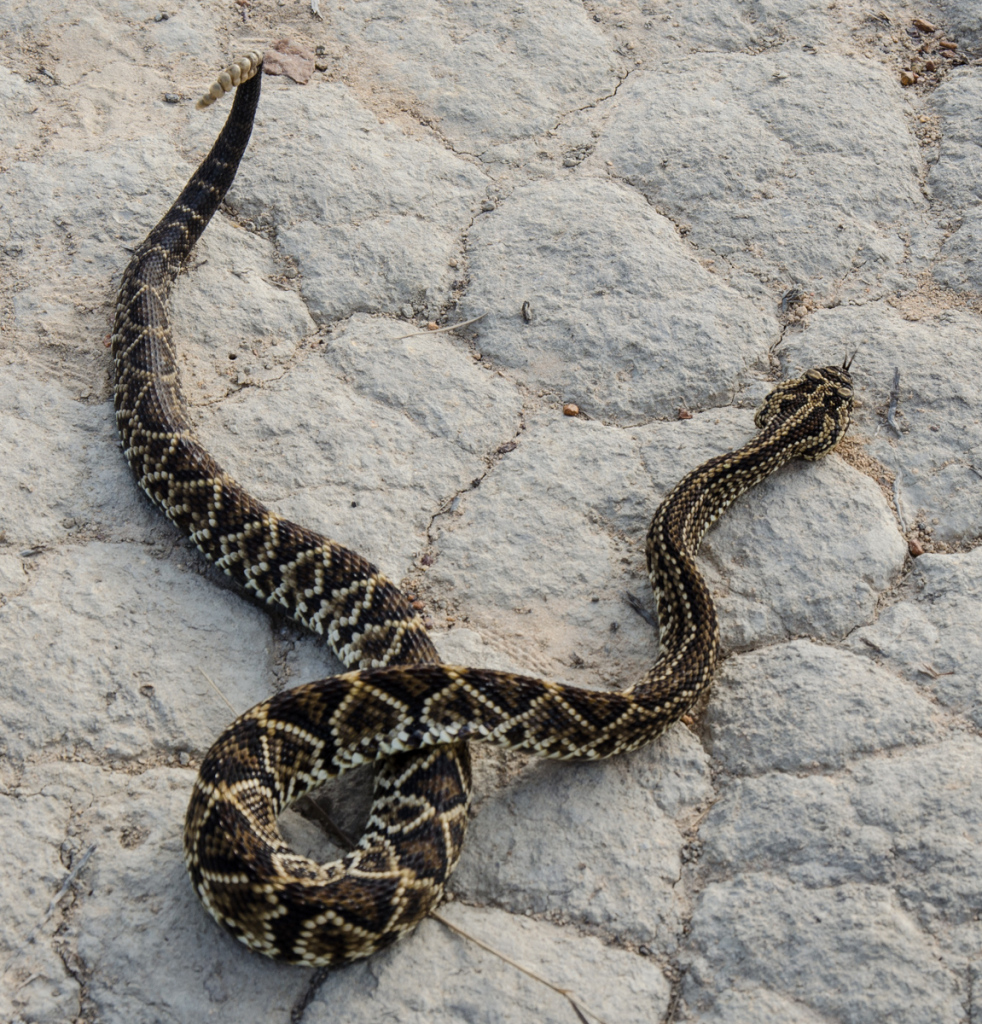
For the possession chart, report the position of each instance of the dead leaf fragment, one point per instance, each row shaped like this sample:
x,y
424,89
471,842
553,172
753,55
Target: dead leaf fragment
x,y
286,58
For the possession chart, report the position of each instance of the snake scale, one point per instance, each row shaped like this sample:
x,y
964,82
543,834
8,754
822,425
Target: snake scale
x,y
398,707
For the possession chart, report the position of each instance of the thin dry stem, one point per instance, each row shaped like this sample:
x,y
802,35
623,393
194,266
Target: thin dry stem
x,y
440,330
578,1005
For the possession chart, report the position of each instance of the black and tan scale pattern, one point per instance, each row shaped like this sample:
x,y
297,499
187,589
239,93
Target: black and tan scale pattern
x,y
399,709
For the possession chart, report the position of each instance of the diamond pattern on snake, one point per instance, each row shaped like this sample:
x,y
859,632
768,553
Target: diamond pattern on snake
x,y
397,707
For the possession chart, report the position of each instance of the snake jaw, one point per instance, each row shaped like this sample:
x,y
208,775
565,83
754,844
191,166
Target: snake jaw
x,y
812,411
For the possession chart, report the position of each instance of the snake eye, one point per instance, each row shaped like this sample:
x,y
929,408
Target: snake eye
x,y
813,374
844,392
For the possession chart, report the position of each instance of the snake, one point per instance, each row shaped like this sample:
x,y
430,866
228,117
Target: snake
x,y
396,706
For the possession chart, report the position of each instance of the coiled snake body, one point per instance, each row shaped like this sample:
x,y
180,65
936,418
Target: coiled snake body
x,y
399,707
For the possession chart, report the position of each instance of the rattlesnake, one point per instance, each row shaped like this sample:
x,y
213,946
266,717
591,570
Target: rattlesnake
x,y
400,708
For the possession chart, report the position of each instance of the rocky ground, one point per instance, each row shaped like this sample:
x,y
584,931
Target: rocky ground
x,y
658,208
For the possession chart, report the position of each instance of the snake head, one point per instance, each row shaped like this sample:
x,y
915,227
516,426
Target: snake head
x,y
812,411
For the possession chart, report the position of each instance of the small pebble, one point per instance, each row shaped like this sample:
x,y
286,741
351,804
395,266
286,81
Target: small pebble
x,y
184,757
171,97
684,414
915,548
569,409
947,44
418,606
161,16
432,326
924,26
907,77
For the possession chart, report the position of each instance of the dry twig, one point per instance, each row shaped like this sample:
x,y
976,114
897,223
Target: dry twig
x,y
636,604
894,398
219,692
578,1006
440,330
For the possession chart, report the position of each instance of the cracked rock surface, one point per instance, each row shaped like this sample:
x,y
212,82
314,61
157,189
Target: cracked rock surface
x,y
657,210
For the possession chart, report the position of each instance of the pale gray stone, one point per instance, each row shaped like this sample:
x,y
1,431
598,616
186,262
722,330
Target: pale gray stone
x,y
396,444
738,1005
239,318
958,19
804,826
147,945
36,983
18,102
573,841
140,684
777,710
463,646
539,557
931,636
811,201
956,179
357,249
430,378
481,74
87,36
86,214
642,33
627,324
961,267
80,483
938,411
935,842
956,176
455,980
879,823
759,931
822,587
